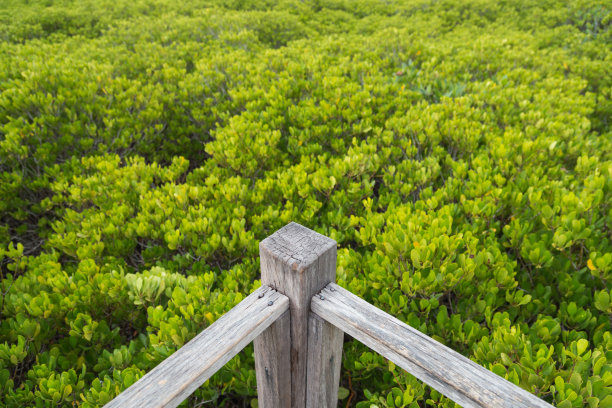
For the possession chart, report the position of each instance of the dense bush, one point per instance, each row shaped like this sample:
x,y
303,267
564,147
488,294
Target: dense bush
x,y
460,153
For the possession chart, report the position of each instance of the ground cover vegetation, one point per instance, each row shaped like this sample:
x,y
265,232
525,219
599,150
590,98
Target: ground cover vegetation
x,y
460,153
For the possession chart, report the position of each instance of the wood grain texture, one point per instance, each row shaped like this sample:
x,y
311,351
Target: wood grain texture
x,y
175,378
297,262
324,360
450,373
273,364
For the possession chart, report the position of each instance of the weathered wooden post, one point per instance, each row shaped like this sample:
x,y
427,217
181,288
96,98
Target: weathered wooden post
x,y
297,359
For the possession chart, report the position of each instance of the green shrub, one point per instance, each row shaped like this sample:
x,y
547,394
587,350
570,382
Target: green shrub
x,y
458,152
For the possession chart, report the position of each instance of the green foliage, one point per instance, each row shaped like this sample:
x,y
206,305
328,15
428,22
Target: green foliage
x,y
458,152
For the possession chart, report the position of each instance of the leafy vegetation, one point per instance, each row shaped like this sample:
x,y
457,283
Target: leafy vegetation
x,y
460,153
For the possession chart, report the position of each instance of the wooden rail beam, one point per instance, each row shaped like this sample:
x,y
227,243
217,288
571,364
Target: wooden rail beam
x,y
452,374
175,378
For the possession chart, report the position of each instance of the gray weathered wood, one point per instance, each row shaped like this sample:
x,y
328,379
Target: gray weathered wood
x,y
175,378
452,374
298,262
324,361
273,364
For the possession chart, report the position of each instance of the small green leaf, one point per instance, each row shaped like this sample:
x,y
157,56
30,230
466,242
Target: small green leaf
x,y
581,346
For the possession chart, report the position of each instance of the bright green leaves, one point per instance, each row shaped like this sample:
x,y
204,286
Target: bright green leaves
x,y
118,359
400,390
15,254
600,266
603,301
533,370
147,288
14,354
456,151
246,146
87,333
535,252
586,377
576,317
58,389
546,329
173,239
104,390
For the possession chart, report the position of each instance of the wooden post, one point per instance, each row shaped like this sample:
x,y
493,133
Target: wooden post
x,y
298,263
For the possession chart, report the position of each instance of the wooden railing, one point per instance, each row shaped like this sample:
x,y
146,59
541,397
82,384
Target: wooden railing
x,y
297,321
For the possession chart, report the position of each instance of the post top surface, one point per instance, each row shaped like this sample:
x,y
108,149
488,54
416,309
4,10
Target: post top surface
x,y
296,245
